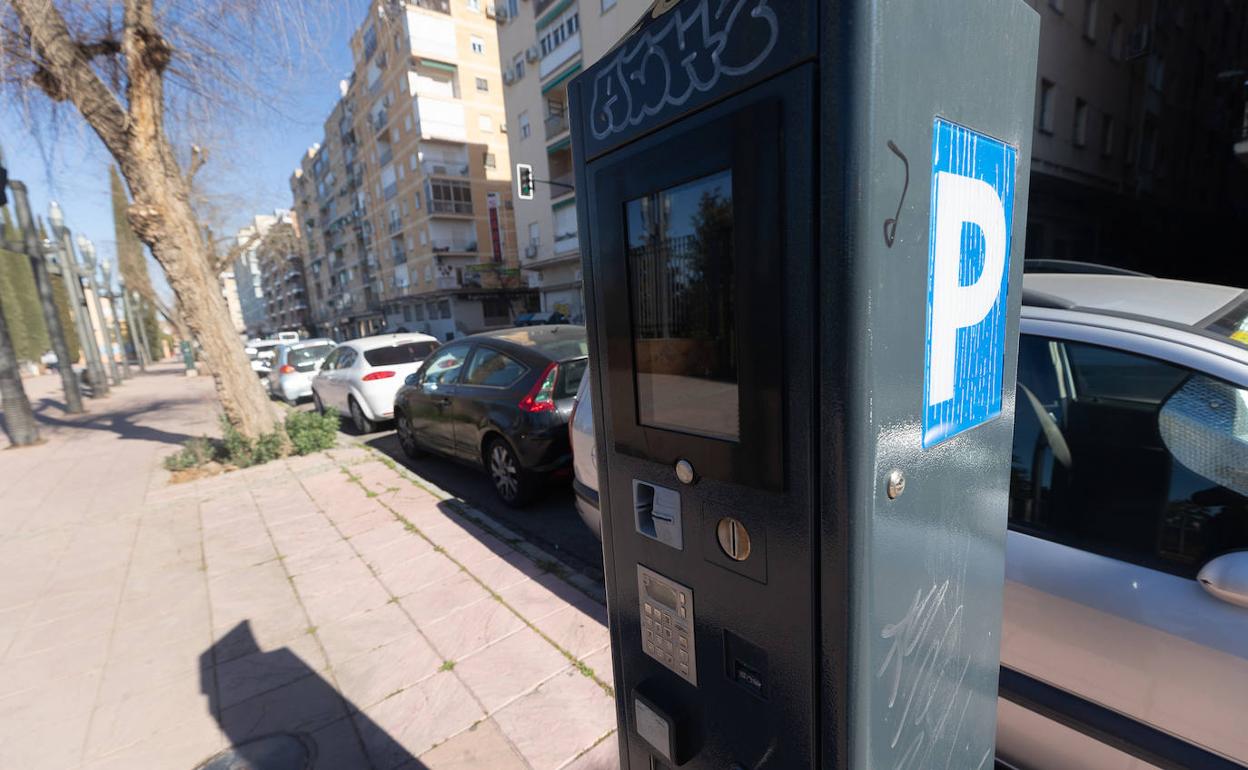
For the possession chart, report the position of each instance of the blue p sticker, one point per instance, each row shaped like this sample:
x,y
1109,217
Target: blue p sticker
x,y
968,269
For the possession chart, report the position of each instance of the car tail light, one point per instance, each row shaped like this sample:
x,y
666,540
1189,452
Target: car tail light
x,y
381,375
542,397
286,369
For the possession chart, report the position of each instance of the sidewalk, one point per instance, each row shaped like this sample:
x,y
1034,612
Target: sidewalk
x,y
335,597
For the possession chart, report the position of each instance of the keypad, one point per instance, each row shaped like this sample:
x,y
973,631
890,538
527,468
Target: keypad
x,y
667,623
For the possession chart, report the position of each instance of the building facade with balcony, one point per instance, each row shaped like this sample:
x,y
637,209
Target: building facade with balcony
x,y
249,274
542,45
415,229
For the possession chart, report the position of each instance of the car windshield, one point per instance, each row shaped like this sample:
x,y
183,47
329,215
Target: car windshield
x,y
1233,322
402,353
309,354
569,380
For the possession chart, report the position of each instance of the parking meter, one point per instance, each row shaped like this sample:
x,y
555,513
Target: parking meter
x,y
802,225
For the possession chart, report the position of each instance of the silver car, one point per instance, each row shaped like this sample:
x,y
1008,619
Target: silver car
x,y
294,365
1125,634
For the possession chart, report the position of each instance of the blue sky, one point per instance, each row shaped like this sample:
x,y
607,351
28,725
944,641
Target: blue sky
x,y
266,139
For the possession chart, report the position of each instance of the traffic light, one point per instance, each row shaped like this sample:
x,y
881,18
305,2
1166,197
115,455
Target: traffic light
x,y
524,175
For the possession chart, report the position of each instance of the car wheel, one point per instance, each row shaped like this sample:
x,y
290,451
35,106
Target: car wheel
x,y
362,424
407,437
512,482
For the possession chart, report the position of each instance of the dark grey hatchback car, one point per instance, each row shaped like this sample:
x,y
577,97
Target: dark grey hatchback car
x,y
499,400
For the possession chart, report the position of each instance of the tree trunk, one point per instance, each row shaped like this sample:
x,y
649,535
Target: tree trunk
x,y
19,420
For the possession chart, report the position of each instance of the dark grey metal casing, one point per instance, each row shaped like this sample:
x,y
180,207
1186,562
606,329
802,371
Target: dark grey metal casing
x,y
871,624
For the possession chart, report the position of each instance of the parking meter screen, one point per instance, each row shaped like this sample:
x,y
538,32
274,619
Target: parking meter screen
x,y
681,285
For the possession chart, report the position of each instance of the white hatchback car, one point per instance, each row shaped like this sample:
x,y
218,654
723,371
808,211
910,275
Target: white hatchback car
x,y
359,378
1125,627
294,366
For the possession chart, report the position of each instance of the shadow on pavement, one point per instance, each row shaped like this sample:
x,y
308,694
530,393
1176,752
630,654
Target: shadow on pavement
x,y
120,423
549,522
280,714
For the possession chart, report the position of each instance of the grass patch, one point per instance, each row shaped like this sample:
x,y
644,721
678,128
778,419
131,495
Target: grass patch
x,y
447,665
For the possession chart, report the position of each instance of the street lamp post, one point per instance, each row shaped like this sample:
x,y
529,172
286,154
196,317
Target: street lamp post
x,y
107,269
33,250
87,249
140,323
64,246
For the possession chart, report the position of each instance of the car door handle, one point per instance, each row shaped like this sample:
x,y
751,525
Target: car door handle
x,y
443,402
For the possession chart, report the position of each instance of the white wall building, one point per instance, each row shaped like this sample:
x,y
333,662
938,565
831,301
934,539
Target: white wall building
x,y
542,45
247,272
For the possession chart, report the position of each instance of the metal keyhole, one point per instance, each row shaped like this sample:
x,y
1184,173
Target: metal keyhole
x,y
733,538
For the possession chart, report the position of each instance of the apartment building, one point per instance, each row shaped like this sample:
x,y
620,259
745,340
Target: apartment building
x,y
542,45
1136,121
282,278
405,206
248,276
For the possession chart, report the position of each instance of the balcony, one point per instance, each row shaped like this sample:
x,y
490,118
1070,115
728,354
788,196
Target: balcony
x,y
446,168
556,124
453,245
438,118
385,156
562,53
390,190
561,185
441,6
450,207
394,226
450,282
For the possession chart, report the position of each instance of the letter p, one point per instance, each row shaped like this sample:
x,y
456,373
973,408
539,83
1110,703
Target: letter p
x,y
960,199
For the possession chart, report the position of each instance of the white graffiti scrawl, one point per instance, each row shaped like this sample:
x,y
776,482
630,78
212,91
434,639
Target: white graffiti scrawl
x,y
687,55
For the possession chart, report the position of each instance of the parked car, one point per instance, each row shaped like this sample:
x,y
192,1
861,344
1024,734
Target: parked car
x,y
1126,596
499,400
260,353
359,378
288,336
294,366
541,318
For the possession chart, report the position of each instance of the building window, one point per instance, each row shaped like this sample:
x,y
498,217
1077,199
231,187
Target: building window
x,y
535,236
483,84
1045,113
525,128
449,196
559,33
1107,135
1116,35
1090,11
490,160
1080,128
478,44
474,5
517,65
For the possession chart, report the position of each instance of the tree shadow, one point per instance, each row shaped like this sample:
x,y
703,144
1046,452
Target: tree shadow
x,y
280,714
121,423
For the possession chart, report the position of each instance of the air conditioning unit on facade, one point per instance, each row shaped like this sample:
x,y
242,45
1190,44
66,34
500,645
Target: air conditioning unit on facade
x,y
533,54
492,12
509,76
501,14
530,251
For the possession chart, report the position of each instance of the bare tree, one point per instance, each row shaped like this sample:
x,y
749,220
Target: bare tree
x,y
115,75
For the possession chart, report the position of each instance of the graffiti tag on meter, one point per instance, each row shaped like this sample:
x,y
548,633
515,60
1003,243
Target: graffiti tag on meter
x,y
973,178
688,54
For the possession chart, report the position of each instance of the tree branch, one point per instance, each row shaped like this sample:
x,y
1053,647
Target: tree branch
x,y
64,72
199,156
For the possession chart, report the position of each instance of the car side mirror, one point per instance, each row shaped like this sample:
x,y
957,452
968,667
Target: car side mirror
x,y
1226,577
412,379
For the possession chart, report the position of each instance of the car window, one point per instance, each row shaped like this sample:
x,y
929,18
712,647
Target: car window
x,y
1122,455
492,369
308,355
403,353
346,358
570,375
331,360
443,368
